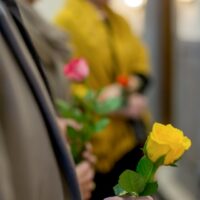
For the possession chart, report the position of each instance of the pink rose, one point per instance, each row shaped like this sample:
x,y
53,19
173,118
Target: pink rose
x,y
76,70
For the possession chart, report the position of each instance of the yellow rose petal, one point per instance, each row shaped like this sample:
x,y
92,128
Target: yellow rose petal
x,y
174,155
79,90
187,143
166,140
156,150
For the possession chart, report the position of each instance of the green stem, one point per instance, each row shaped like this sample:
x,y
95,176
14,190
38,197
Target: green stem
x,y
152,177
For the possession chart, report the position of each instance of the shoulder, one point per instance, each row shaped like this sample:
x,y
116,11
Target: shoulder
x,y
70,14
62,16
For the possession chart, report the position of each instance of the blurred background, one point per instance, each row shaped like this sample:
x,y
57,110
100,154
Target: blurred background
x,y
171,30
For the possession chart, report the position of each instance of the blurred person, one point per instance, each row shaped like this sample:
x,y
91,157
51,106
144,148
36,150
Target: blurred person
x,y
51,45
106,41
39,176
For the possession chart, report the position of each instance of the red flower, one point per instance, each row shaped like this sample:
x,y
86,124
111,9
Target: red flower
x,y
76,70
123,80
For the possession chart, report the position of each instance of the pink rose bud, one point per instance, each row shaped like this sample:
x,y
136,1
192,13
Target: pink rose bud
x,y
76,70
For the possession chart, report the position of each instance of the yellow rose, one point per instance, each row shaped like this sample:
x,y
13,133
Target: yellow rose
x,y
166,140
79,90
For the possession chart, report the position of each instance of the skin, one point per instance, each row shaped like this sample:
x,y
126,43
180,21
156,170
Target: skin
x,y
84,170
136,103
136,106
85,175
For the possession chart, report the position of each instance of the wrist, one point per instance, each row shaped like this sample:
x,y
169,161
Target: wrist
x,y
134,83
129,84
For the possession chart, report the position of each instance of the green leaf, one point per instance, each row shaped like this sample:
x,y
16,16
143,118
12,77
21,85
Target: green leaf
x,y
119,191
173,165
86,133
160,161
150,189
108,106
62,104
63,108
145,168
101,124
76,143
69,111
75,152
144,149
131,182
91,95
72,133
77,115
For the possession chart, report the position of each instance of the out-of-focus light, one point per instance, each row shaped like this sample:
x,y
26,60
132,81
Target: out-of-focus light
x,y
186,1
135,3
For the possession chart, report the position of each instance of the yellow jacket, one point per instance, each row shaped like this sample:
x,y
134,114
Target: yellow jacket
x,y
111,49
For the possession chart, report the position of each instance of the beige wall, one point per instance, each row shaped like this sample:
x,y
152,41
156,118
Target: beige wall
x,y
48,8
135,16
188,26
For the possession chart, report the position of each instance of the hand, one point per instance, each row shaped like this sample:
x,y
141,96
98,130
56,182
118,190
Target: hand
x,y
64,123
85,175
129,198
111,91
136,106
133,84
88,154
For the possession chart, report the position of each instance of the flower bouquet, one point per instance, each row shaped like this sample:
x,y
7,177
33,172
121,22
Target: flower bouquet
x,y
85,107
164,146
